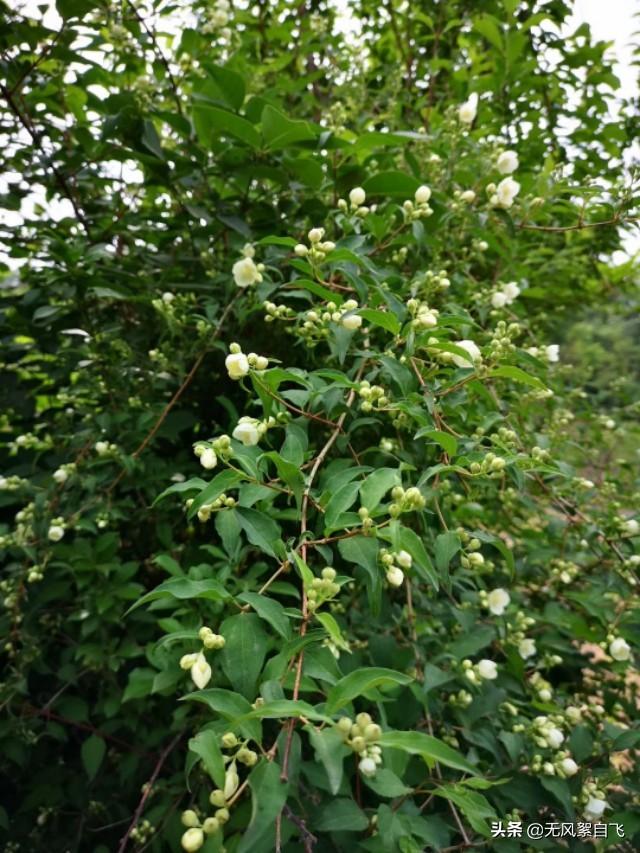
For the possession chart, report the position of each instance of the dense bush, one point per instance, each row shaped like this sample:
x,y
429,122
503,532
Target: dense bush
x,y
319,508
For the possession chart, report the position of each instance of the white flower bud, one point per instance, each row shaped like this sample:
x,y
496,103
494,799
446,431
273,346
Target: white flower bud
x,y
187,661
507,162
422,194
247,432
60,476
55,532
619,649
569,767
474,354
192,840
201,672
594,808
315,235
395,576
189,818
237,365
101,447
231,781
553,352
488,669
351,322
468,111
554,737
367,766
301,250
357,196
468,196
208,458
404,559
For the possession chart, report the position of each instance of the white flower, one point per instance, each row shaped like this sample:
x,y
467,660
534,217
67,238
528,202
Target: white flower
x,y
101,447
60,476
201,672
404,559
357,196
352,322
472,349
619,649
553,352
507,162
488,669
511,291
247,432
498,600
395,576
554,737
426,319
527,648
506,191
631,527
192,840
594,807
569,767
237,365
245,272
55,533
367,766
168,297
499,299
208,458
468,111
468,196
422,194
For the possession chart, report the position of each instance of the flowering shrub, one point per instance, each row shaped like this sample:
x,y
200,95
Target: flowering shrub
x,y
373,585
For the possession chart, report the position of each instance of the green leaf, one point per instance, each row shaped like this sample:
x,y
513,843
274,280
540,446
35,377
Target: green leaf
x,y
447,546
230,84
244,652
280,131
429,748
92,753
333,630
341,815
318,290
447,442
261,530
363,552
184,589
386,784
268,796
220,484
359,682
509,371
391,183
270,610
473,805
498,543
206,747
406,539
339,504
330,752
385,319
231,707
376,486
281,708
211,121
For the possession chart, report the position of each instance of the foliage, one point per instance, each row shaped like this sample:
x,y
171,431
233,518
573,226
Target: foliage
x,y
314,536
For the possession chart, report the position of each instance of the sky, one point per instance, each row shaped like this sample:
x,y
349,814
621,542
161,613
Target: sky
x,y
614,21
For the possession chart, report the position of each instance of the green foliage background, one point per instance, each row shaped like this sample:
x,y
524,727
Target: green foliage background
x,y
164,141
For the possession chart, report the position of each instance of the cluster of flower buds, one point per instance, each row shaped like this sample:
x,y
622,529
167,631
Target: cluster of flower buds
x,y
245,271
461,699
464,196
241,753
406,500
394,563
238,364
218,16
423,316
322,589
492,466
541,687
62,474
194,837
197,663
208,452
249,431
361,736
563,570
13,483
501,344
507,294
373,396
484,670
550,353
29,441
356,204
472,558
142,832
563,765
546,732
418,208
628,526
592,800
35,574
105,448
223,501
399,256
318,248
277,312
56,529
432,282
